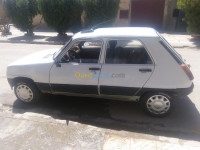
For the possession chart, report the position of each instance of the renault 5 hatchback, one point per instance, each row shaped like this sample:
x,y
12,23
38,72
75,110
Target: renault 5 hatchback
x,y
134,64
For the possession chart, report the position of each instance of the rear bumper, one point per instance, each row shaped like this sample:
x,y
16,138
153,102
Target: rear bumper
x,y
184,91
179,92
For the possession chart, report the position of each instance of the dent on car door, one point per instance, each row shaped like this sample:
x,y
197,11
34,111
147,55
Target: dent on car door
x,y
78,66
127,67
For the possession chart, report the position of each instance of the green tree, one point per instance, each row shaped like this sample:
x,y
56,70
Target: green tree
x,y
61,15
97,11
192,14
21,13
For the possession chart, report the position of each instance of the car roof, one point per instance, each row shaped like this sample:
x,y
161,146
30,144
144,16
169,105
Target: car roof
x,y
117,32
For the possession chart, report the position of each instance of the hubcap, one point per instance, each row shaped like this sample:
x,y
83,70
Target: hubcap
x,y
24,93
158,104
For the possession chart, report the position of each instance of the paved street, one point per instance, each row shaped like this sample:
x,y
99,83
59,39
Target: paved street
x,y
60,122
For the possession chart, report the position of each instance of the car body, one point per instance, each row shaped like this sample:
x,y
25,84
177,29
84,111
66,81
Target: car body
x,y
126,63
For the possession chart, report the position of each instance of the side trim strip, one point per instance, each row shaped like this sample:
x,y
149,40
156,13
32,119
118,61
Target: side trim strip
x,y
43,87
116,90
70,88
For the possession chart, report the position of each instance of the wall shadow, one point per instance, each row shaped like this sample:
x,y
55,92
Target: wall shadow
x,y
59,38
196,40
183,122
27,38
39,39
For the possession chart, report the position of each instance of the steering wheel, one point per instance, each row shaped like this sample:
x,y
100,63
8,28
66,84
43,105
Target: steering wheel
x,y
72,55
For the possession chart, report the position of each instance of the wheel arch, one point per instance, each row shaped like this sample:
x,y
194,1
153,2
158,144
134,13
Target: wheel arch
x,y
13,81
168,92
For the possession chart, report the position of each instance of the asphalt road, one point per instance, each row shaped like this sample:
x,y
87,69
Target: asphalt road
x,y
184,121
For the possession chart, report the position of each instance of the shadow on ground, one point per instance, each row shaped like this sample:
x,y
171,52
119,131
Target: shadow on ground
x,y
39,39
183,122
196,40
27,38
59,38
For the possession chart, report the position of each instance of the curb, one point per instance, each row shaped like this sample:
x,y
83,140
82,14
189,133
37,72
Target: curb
x,y
184,46
33,42
63,43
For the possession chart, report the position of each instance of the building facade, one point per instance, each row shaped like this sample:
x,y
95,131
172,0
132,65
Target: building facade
x,y
158,14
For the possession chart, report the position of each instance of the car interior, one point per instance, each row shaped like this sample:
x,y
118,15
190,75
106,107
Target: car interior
x,y
118,52
126,52
83,52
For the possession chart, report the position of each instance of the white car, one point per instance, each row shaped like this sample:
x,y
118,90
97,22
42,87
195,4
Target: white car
x,y
135,64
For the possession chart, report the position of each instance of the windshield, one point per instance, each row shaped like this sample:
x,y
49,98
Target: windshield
x,y
58,52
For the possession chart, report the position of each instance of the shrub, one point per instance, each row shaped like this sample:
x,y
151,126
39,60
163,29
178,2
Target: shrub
x,y
21,13
61,15
97,11
192,14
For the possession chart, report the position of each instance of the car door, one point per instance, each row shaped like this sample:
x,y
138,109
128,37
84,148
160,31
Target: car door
x,y
127,67
79,72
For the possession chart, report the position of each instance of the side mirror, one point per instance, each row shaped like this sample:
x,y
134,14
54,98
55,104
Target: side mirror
x,y
57,63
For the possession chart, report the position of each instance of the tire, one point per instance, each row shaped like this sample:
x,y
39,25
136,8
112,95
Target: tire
x,y
26,91
157,104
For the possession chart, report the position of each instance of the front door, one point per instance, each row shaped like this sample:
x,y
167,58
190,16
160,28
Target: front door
x,y
127,67
79,69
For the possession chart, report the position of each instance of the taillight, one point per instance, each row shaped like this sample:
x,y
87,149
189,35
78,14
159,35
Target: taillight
x,y
187,71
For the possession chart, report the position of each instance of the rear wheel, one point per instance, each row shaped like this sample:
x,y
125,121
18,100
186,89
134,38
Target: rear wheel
x,y
26,91
157,104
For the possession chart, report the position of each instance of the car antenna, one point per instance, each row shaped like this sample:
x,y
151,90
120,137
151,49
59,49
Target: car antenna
x,y
96,26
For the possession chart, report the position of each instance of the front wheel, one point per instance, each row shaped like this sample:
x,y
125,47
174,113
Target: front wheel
x,y
157,104
26,91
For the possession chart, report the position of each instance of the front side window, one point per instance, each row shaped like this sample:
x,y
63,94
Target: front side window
x,y
83,52
126,52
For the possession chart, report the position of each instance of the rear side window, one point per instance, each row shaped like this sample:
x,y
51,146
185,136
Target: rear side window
x,y
172,53
126,52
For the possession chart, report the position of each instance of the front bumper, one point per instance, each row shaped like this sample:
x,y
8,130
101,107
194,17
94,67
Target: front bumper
x,y
11,82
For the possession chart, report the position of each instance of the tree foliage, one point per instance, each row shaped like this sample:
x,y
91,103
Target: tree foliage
x,y
61,15
192,14
21,13
97,11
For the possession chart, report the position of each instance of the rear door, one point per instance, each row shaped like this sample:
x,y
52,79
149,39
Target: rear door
x,y
127,67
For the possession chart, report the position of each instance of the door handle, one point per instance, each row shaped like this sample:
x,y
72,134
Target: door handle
x,y
94,69
145,70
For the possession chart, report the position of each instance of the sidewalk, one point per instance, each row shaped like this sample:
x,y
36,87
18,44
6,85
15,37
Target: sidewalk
x,y
180,40
40,37
177,40
19,130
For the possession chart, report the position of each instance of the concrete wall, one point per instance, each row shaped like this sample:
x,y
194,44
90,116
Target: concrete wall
x,y
123,5
1,9
169,22
39,22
